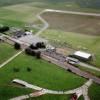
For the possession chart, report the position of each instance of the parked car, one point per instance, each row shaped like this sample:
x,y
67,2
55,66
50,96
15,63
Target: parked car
x,y
71,60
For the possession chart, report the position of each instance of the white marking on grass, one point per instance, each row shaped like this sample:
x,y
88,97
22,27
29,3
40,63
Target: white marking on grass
x,y
10,59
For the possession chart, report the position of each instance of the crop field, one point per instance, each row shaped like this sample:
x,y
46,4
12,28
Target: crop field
x,y
6,51
73,23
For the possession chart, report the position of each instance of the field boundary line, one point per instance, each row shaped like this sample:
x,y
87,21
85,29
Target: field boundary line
x,y
10,59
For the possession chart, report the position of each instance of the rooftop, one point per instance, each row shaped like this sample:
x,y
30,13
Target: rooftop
x,y
32,39
82,54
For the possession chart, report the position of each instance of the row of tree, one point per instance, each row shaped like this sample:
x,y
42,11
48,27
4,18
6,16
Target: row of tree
x,y
38,45
31,52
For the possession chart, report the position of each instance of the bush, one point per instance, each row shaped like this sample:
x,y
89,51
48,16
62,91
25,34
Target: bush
x,y
16,69
69,70
29,69
17,46
4,29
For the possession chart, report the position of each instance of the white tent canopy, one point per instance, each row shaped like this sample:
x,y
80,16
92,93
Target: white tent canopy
x,y
82,54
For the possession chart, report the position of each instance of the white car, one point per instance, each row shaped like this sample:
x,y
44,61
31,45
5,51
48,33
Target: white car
x,y
49,47
72,62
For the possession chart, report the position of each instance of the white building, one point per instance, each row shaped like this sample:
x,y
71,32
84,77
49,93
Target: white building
x,y
82,55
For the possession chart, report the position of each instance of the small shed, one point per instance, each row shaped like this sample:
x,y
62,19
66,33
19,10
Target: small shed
x,y
82,55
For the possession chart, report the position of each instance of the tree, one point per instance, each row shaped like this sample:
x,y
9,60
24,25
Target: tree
x,y
4,29
16,69
28,51
33,47
33,53
38,55
40,45
17,46
43,45
69,70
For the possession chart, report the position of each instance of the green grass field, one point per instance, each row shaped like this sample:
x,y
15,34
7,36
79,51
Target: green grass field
x,y
43,74
6,51
15,16
95,91
20,12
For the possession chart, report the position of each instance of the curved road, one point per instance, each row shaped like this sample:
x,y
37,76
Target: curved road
x,y
83,90
46,24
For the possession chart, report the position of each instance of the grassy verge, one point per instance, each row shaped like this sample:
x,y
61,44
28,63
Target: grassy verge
x,y
7,92
94,72
95,91
6,51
